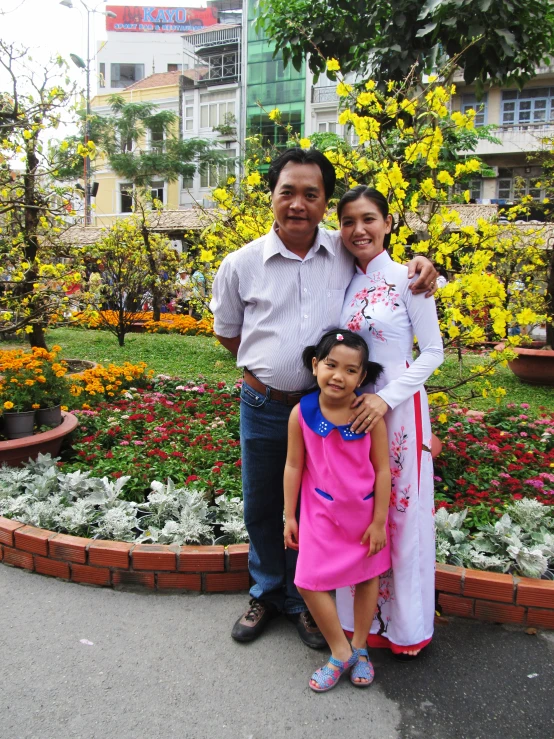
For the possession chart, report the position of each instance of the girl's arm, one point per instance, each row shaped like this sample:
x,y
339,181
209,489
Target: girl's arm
x,y
293,478
379,456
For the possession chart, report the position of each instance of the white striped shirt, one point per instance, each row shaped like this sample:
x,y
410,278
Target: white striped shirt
x,y
279,303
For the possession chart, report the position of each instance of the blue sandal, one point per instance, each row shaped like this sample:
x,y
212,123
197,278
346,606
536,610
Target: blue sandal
x,y
362,670
327,677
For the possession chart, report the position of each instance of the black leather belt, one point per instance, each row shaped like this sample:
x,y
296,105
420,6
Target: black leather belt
x,y
281,396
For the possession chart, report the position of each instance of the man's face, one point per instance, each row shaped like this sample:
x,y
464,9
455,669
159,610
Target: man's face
x,y
298,202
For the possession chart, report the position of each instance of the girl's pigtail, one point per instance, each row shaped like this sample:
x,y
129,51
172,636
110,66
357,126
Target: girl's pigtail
x,y
307,356
374,370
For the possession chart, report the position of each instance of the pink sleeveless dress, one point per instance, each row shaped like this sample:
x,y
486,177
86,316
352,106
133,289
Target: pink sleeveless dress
x,y
336,505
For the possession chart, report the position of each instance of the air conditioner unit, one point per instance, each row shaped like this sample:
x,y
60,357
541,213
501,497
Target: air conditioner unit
x,y
493,173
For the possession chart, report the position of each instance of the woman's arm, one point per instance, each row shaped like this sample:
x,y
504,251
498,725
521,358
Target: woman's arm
x,y
293,477
379,456
369,408
423,317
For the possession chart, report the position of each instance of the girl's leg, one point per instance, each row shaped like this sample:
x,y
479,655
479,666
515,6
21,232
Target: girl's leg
x,y
365,603
322,607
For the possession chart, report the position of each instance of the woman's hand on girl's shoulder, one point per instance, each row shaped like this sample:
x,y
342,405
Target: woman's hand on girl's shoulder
x,y
367,409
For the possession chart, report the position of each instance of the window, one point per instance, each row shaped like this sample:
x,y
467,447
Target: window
x,y
214,107
123,75
474,186
479,106
188,113
211,176
188,182
174,67
156,133
514,184
157,191
528,107
327,127
126,198
102,75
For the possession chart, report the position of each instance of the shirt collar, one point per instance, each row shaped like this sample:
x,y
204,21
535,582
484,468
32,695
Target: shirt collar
x,y
273,245
316,421
377,263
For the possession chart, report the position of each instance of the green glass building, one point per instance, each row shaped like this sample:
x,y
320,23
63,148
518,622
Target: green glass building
x,y
269,83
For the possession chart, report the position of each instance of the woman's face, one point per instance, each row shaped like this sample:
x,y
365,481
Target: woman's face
x,y
363,229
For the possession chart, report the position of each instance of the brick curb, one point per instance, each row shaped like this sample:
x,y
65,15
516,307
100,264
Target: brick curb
x,y
488,596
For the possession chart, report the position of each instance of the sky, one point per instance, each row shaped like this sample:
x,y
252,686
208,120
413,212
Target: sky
x,y
47,28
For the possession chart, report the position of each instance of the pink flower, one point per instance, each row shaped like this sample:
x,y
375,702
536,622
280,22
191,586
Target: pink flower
x,y
123,443
525,405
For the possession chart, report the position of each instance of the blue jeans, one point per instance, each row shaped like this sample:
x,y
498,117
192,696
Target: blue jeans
x,y
263,434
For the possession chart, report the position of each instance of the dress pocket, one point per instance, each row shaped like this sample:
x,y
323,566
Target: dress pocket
x,y
324,494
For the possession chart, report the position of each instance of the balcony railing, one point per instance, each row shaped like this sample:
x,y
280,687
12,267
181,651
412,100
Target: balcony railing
x,y
220,67
205,39
324,95
515,139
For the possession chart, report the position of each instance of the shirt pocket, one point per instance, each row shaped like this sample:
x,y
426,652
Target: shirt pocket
x,y
333,308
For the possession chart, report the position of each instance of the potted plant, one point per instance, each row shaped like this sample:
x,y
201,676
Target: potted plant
x,y
31,383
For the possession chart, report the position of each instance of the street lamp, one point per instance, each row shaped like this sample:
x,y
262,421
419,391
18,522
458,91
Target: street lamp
x,y
86,66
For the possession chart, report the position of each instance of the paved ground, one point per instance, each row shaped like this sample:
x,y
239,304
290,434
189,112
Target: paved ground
x,y
164,667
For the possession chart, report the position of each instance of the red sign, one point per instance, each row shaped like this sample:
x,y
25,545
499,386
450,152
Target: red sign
x,y
156,19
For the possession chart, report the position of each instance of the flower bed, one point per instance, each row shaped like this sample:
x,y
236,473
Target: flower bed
x,y
164,461
169,323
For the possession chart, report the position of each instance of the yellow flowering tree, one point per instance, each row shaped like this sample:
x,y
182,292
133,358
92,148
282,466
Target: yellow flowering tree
x,y
411,148
132,272
35,208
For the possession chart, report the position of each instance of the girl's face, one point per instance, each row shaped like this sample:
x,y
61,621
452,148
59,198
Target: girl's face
x,y
363,229
339,373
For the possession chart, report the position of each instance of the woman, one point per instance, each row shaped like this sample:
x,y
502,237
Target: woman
x,y
379,305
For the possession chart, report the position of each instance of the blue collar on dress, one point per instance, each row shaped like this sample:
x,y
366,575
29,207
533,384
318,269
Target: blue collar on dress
x,y
316,421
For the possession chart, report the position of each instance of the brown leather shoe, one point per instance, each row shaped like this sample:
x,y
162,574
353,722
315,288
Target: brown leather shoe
x,y
308,630
251,624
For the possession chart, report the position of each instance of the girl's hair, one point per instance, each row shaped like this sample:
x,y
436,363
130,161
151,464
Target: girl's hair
x,y
361,191
342,337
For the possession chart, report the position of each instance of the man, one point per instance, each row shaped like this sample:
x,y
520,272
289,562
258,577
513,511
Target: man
x,y
272,298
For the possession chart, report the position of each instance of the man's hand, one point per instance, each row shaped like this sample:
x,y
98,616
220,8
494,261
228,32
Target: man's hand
x,y
368,409
427,280
232,345
291,534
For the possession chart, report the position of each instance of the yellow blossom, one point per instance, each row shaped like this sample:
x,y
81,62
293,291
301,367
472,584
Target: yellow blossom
x,y
333,65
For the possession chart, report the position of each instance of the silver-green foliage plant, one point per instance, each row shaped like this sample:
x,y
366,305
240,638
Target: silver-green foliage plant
x,y
76,503
521,541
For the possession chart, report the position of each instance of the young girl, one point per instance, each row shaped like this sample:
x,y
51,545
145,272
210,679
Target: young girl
x,y
345,479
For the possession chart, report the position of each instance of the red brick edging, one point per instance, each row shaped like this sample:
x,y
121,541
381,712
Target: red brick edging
x,y
488,596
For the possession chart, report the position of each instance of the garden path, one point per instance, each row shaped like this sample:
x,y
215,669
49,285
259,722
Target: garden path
x,y
158,666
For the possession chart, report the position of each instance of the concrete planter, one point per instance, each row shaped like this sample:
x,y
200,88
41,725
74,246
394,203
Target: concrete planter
x,y
534,365
17,451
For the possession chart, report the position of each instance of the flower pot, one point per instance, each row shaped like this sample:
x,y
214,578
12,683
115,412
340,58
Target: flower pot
x,y
51,417
18,425
533,365
14,453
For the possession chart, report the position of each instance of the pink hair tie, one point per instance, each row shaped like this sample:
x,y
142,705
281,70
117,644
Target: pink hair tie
x,y
340,337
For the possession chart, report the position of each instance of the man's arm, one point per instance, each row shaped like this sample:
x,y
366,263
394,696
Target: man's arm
x,y
427,280
231,345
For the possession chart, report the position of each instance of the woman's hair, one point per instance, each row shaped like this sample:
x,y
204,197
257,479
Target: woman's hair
x,y
361,191
344,337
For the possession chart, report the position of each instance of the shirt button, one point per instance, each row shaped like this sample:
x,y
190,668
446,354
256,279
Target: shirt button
x,y
305,315
305,289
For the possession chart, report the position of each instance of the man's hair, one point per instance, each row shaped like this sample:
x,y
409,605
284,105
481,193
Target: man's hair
x,y
303,156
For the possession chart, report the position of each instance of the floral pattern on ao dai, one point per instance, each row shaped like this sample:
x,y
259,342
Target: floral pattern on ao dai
x,y
379,305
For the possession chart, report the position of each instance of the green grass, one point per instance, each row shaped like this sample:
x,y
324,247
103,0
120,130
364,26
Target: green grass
x,y
190,356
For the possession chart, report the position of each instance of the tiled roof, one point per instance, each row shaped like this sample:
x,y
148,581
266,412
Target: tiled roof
x,y
207,29
160,79
169,221
469,213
